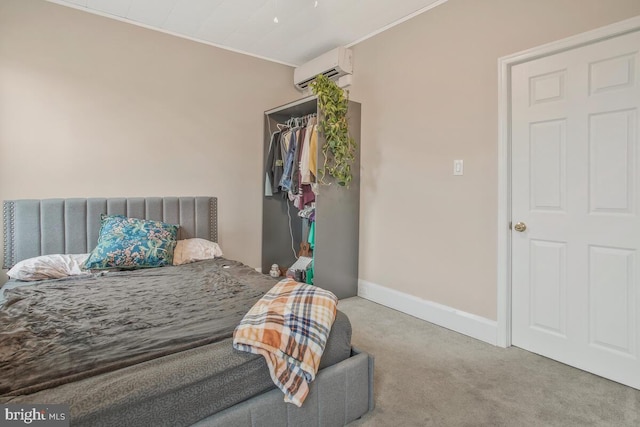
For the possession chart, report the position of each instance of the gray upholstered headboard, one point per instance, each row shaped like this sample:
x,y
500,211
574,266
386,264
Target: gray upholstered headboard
x,y
71,226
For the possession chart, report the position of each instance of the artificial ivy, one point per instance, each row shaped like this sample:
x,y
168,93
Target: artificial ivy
x,y
339,148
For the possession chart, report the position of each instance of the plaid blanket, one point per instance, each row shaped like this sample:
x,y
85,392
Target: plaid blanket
x,y
289,326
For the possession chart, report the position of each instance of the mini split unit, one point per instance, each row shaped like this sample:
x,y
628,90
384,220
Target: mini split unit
x,y
336,64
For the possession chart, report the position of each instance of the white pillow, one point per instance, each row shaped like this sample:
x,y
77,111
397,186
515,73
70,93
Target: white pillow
x,y
46,267
191,250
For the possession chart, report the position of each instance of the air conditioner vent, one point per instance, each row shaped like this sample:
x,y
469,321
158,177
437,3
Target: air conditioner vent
x,y
333,64
329,73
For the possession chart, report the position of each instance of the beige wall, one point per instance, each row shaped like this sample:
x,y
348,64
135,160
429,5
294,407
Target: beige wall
x,y
429,95
92,107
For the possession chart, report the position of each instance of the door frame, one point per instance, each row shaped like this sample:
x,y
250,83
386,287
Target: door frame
x,y
504,152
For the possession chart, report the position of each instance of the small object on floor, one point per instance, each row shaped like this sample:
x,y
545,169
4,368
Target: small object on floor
x,y
275,271
301,264
298,269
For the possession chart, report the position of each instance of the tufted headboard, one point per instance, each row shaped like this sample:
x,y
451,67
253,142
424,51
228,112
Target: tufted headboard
x,y
71,226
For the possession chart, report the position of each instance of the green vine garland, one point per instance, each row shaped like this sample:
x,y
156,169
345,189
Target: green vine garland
x,y
339,149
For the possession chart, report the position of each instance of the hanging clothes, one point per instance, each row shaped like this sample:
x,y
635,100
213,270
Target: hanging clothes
x,y
295,173
291,161
285,141
312,235
268,178
307,194
287,176
274,166
311,239
313,153
305,171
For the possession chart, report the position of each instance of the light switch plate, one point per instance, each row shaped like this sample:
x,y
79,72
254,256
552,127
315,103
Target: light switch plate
x,y
458,167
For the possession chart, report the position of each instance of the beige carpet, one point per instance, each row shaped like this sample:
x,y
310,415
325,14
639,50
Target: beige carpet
x,y
426,375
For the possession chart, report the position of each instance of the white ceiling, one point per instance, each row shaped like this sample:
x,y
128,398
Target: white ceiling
x,y
303,32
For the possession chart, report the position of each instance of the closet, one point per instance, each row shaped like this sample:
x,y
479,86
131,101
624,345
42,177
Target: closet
x,y
337,208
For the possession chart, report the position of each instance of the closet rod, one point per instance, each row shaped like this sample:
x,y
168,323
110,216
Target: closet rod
x,y
291,104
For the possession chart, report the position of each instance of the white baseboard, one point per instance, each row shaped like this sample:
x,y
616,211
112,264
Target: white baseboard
x,y
460,321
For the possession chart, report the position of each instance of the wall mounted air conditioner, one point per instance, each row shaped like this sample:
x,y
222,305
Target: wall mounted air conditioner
x,y
334,64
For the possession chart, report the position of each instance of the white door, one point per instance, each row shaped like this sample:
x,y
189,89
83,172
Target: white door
x,y
575,186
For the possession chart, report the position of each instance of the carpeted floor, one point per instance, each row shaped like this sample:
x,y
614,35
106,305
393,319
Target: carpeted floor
x,y
426,375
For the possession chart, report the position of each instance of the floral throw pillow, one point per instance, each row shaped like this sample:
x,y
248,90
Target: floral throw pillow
x,y
132,243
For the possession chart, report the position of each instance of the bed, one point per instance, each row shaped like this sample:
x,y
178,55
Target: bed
x,y
152,346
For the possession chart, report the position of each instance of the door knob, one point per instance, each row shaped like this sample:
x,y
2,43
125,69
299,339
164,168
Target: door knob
x,y
520,226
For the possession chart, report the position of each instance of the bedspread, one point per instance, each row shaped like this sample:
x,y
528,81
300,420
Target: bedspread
x,y
290,327
60,331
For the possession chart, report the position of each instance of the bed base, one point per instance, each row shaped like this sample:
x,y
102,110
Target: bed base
x,y
339,395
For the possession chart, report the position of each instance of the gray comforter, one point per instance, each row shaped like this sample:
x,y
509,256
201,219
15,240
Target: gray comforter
x,y
56,332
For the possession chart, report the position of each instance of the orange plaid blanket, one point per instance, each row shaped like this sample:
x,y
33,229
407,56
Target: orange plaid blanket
x,y
289,326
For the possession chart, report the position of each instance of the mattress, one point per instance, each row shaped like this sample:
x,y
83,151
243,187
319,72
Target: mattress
x,y
200,375
200,381
60,331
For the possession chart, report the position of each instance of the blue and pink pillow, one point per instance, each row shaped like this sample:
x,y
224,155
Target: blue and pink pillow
x,y
130,243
